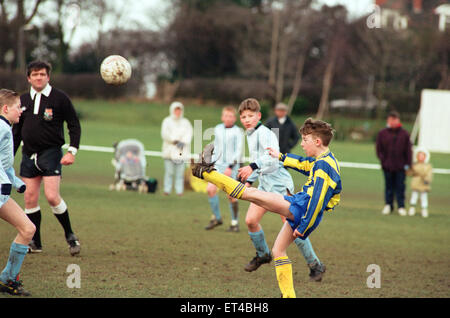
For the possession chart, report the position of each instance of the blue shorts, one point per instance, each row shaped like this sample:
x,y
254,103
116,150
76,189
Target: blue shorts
x,y
299,204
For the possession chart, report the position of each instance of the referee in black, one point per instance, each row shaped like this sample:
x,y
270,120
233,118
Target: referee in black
x,y
41,129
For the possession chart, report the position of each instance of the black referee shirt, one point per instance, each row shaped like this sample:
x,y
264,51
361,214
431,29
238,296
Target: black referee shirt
x,y
46,129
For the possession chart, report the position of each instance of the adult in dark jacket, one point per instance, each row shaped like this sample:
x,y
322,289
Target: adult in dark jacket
x,y
288,135
394,150
41,129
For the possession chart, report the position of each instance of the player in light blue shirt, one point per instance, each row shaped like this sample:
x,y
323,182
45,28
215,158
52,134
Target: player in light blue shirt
x,y
10,211
228,141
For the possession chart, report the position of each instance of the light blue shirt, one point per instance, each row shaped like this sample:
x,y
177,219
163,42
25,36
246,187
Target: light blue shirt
x,y
7,173
228,144
270,173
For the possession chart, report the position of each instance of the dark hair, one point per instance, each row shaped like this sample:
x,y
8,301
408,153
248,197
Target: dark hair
x,y
250,104
394,114
318,128
38,65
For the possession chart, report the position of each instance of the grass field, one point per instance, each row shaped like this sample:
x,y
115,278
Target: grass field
x,y
149,245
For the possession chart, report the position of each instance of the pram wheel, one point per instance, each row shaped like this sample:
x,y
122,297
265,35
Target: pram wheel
x,y
120,186
142,187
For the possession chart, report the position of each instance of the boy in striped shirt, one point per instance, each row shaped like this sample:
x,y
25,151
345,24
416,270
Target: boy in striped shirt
x,y
303,211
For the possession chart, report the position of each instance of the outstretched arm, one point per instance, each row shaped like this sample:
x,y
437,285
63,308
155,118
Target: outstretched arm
x,y
299,163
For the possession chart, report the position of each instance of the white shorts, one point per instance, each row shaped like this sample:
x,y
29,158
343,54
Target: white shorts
x,y
3,199
277,182
222,167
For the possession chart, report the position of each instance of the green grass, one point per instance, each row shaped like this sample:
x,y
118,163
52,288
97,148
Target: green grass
x,y
149,245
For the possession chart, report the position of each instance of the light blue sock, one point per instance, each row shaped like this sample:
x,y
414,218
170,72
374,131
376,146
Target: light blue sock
x,y
17,253
259,242
307,250
214,203
234,212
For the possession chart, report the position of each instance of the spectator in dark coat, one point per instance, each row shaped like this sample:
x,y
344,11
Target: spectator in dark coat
x,y
394,150
288,135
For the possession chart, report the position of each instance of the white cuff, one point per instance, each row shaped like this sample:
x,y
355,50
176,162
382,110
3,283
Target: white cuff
x,y
72,150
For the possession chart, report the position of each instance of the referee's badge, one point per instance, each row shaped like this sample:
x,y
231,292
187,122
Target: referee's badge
x,y
48,114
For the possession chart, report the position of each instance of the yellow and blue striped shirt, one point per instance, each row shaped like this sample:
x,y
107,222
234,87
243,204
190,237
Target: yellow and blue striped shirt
x,y
323,186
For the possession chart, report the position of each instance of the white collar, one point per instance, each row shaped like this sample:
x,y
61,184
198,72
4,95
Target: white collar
x,y
282,120
37,101
46,91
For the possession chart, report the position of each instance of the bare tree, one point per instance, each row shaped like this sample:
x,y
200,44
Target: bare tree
x,y
336,39
328,79
289,23
283,55
297,83
306,29
444,52
68,18
274,46
17,23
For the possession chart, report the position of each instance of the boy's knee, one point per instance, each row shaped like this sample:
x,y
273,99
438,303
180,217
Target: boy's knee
x,y
277,252
211,190
252,223
274,252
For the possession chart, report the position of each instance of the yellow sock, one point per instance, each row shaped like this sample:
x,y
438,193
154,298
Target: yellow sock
x,y
232,187
283,269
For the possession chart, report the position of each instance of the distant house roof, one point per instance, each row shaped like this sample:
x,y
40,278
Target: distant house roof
x,y
393,4
400,14
410,6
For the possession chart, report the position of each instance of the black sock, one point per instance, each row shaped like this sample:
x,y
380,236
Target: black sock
x,y
64,220
35,217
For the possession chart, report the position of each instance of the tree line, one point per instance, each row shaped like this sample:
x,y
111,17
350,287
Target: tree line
x,y
292,51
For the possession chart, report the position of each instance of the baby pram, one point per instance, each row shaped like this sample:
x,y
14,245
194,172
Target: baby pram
x,y
130,165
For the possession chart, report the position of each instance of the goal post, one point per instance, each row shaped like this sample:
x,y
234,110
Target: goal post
x,y
433,121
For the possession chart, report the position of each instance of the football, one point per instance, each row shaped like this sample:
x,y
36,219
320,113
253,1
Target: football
x,y
115,70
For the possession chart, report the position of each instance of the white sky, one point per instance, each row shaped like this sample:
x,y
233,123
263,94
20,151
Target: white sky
x,y
152,12
149,13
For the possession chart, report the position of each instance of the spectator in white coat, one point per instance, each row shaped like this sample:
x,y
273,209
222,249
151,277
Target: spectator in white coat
x,y
176,132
